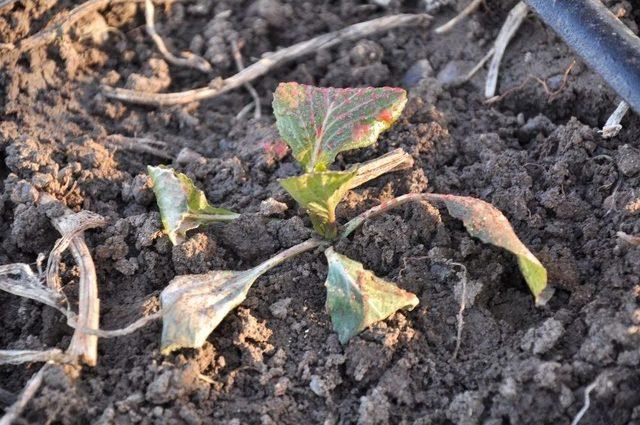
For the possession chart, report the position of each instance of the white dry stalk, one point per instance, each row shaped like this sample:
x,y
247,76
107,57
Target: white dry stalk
x,y
18,279
471,7
140,144
508,30
237,57
612,127
268,62
188,59
587,401
30,356
463,305
478,66
395,160
14,411
72,226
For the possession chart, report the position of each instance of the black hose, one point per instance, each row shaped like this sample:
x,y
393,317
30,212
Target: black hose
x,y
605,43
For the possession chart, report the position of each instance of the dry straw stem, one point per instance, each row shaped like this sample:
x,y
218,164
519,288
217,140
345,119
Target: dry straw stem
x,y
188,59
29,356
612,127
587,401
19,279
34,383
508,30
268,62
83,346
471,7
141,145
237,57
395,160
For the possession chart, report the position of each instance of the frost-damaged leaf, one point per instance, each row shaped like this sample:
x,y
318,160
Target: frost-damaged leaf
x,y
194,305
183,206
487,223
318,123
356,298
319,193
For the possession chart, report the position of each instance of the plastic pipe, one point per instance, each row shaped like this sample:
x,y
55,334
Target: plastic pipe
x,y
603,42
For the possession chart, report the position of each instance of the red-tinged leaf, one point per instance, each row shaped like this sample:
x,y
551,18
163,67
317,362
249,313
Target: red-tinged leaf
x,y
318,123
485,222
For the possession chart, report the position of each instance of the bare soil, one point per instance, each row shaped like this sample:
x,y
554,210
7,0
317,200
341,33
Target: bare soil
x,y
538,158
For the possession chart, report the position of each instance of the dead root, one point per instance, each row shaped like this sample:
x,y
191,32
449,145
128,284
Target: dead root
x,y
188,59
552,94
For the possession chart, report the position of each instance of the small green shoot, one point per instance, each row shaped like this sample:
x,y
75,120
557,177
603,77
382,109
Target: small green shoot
x,y
356,298
183,206
318,124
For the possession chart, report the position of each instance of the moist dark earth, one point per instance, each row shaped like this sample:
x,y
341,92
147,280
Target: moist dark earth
x,y
536,154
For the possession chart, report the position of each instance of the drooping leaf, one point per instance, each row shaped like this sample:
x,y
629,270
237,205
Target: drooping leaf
x,y
319,193
194,305
318,123
485,222
183,206
356,298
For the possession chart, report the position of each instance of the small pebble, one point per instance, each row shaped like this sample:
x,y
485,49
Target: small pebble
x,y
418,72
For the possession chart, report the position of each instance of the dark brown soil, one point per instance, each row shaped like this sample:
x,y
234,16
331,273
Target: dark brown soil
x,y
540,160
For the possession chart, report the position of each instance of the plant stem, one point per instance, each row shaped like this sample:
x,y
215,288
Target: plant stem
x,y
356,222
211,218
395,160
288,253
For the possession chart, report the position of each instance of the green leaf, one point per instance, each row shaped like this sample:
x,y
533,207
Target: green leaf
x,y
356,298
194,305
318,123
485,222
183,206
319,193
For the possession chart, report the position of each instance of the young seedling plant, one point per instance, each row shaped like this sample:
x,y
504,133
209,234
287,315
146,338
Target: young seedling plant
x,y
318,124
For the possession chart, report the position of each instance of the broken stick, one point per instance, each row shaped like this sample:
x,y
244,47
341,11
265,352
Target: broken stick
x,y
268,62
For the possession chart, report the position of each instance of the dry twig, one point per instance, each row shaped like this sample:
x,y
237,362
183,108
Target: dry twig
x,y
268,62
471,7
612,127
508,30
587,401
29,356
237,57
188,59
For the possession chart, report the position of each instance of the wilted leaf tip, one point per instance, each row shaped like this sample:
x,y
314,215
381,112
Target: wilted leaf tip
x,y
182,206
356,298
485,222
